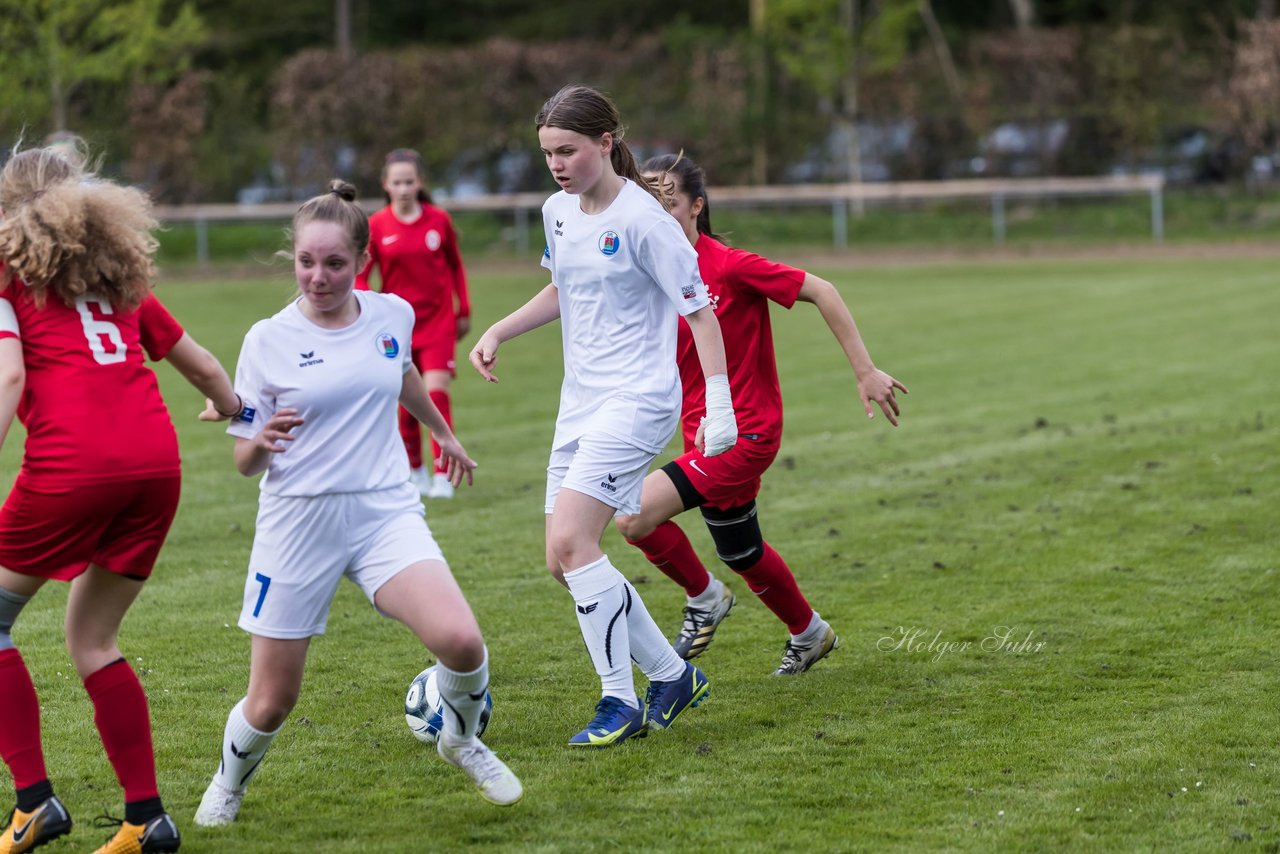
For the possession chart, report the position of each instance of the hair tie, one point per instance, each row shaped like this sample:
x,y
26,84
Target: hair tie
x,y
336,192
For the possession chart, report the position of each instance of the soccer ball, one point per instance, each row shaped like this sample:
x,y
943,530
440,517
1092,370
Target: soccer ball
x,y
422,707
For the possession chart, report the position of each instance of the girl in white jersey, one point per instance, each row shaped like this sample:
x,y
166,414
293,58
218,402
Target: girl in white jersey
x,y
621,274
331,365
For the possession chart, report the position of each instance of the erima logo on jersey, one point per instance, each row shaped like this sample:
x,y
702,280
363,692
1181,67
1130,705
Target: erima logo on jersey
x,y
309,359
387,345
610,243
587,609
608,484
559,225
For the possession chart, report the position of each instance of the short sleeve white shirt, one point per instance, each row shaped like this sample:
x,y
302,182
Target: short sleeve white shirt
x,y
624,277
345,384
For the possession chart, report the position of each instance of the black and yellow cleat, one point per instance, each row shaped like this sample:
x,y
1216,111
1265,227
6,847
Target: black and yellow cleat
x,y
158,834
29,830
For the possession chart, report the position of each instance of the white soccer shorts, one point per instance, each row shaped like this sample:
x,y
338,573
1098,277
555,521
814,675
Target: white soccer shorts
x,y
305,545
606,468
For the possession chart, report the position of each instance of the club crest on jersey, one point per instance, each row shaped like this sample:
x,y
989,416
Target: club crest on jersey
x,y
433,239
387,345
610,243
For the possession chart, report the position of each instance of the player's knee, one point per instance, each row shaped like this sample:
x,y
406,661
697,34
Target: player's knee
x,y
461,649
267,709
736,533
11,604
633,528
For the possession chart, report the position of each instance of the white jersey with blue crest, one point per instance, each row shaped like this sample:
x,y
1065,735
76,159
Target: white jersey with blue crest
x,y
624,276
345,384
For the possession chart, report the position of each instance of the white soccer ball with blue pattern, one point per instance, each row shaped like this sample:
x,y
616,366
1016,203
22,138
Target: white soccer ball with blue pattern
x,y
423,707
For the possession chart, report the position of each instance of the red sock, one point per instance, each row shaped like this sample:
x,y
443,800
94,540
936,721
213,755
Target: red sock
x,y
441,400
772,581
20,722
669,550
120,711
411,433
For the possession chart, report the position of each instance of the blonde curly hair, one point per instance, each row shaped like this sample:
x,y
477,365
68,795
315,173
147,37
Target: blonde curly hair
x,y
68,232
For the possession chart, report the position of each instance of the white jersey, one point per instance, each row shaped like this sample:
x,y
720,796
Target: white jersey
x,y
623,276
345,385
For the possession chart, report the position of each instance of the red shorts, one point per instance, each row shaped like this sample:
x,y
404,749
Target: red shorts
x,y
435,346
731,479
57,533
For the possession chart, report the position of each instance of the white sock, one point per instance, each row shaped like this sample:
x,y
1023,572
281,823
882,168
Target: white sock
x,y
242,750
816,629
710,596
600,601
649,647
462,695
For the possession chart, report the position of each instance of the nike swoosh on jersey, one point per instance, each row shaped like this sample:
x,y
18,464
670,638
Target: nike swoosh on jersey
x,y
389,239
694,465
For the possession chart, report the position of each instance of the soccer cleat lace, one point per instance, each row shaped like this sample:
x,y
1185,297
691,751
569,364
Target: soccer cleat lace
x,y
614,722
497,784
664,701
25,831
700,625
219,806
798,658
158,834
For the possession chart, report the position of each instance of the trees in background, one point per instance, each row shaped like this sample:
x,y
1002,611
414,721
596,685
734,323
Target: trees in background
x,y
198,98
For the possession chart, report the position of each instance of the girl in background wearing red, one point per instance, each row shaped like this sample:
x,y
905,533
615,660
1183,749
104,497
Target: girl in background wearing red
x,y
415,250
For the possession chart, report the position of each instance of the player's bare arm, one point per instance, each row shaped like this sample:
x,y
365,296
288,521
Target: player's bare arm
x,y
13,377
414,397
719,429
874,385
543,308
253,455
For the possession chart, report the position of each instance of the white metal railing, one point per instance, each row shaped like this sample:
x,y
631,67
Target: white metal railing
x,y
839,196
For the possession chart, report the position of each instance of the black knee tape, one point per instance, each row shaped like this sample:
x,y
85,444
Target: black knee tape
x,y
11,604
690,496
737,536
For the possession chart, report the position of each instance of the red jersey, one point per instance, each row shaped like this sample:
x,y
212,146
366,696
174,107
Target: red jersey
x,y
740,285
91,407
419,262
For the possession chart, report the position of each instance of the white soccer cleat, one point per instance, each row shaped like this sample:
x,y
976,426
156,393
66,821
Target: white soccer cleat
x,y
440,487
219,806
421,479
492,777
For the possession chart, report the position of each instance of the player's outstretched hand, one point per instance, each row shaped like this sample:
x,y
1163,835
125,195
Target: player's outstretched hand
x,y
485,355
879,387
277,430
211,413
458,466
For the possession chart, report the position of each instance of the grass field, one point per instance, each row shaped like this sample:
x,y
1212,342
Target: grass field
x,y
1087,467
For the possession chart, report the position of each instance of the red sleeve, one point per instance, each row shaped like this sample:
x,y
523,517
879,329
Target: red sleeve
x,y
362,278
770,279
157,329
454,256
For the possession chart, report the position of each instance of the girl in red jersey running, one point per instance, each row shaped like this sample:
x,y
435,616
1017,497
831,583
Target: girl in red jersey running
x,y
100,475
725,487
415,249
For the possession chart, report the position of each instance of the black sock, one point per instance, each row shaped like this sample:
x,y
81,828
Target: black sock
x,y
141,812
31,797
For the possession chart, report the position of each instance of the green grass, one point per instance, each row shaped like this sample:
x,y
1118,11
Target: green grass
x,y
1087,457
1191,216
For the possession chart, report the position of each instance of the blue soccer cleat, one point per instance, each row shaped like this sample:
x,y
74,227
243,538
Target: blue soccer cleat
x,y
614,722
666,700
